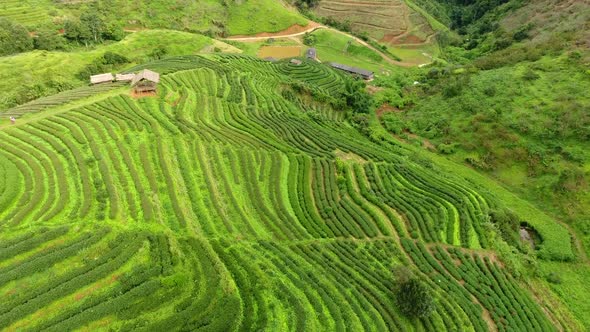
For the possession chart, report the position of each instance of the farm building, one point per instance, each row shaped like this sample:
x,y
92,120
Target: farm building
x,y
365,74
102,78
296,62
124,77
145,81
312,53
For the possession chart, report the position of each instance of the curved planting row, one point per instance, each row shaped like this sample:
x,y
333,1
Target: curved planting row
x,y
480,287
433,209
125,274
281,216
60,99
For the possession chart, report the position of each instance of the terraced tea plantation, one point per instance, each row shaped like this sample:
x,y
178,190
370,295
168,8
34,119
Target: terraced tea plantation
x,y
229,202
389,21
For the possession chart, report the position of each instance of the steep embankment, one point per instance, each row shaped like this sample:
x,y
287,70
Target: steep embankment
x,y
218,17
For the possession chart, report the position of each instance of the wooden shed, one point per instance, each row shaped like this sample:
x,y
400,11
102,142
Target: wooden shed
x,y
102,78
145,81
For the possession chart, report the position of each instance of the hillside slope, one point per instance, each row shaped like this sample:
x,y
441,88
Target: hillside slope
x,y
388,21
214,17
31,75
232,201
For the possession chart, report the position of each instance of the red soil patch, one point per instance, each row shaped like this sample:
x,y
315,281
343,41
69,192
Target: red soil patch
x,y
294,29
137,95
374,89
386,108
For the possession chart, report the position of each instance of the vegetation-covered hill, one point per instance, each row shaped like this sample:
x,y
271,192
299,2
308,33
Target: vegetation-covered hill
x,y
389,21
231,201
212,17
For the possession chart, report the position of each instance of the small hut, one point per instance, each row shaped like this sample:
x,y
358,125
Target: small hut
x,y
145,81
296,62
102,78
312,53
124,77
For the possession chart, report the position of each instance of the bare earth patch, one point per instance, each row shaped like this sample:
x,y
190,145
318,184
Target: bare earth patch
x,y
386,108
279,52
138,95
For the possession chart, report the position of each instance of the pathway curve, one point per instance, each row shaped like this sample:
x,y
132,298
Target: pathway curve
x,y
316,26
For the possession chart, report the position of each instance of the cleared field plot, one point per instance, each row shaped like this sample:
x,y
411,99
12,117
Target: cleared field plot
x,y
390,21
279,52
226,204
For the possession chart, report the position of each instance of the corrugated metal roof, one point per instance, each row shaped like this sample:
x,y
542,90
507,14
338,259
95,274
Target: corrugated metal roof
x,y
354,70
102,78
146,75
124,77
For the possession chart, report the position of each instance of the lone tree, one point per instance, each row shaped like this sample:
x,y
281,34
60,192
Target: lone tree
x,y
414,299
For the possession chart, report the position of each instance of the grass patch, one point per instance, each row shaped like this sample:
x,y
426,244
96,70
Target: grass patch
x,y
336,47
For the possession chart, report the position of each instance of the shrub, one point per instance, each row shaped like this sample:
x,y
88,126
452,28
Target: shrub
x,y
110,58
530,75
554,278
393,123
14,38
414,299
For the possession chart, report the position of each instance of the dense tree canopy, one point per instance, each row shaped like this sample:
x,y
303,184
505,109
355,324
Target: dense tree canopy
x,y
414,299
14,38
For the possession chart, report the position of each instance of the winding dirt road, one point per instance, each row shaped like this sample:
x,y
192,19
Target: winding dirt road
x,y
316,26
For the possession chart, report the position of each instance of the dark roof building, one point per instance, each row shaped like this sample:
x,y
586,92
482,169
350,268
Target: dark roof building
x,y
365,74
311,53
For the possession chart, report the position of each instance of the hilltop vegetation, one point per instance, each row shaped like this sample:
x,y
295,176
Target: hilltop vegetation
x,y
210,17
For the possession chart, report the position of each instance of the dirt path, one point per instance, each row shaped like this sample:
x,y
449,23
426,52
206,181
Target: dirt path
x,y
313,26
293,31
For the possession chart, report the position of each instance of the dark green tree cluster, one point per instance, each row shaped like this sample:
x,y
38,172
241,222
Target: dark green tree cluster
x,y
91,28
309,39
414,299
14,38
356,96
